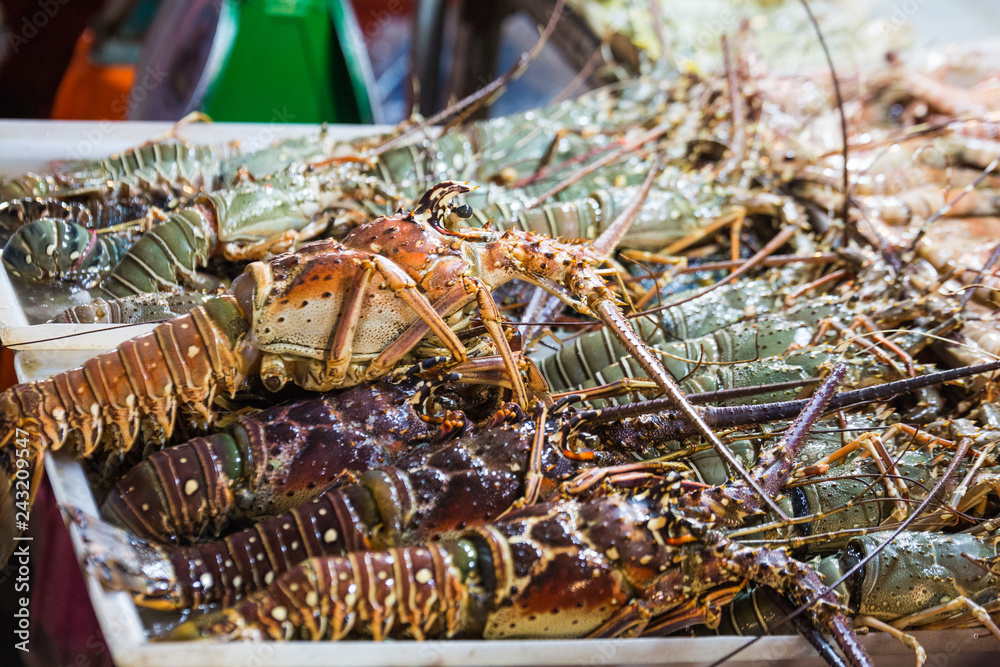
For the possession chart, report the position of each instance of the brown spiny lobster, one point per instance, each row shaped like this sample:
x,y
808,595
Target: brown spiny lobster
x,y
267,462
331,314
625,564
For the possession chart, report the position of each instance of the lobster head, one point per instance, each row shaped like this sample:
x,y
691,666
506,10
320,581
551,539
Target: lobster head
x,y
298,303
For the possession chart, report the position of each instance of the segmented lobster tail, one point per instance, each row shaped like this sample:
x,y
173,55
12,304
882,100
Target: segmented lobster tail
x,y
206,468
417,592
166,255
24,186
139,386
133,309
177,577
50,249
271,461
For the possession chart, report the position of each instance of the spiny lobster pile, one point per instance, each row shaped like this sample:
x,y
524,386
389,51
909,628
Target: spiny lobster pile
x,y
444,484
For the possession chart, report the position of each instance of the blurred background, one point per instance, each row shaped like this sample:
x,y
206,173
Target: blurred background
x,y
379,61
303,61
359,61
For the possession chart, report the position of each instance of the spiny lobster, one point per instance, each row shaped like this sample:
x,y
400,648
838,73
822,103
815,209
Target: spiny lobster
x,y
267,462
466,481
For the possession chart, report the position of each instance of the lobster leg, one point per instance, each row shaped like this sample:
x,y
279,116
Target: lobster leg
x,y
703,611
342,343
406,289
774,568
456,298
392,354
490,315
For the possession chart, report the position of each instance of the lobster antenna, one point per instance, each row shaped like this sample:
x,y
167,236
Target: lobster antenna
x,y
806,628
749,414
84,333
609,239
840,109
542,302
737,145
485,94
944,210
614,319
994,256
779,240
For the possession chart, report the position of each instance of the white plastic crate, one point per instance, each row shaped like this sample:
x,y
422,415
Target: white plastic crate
x,y
29,145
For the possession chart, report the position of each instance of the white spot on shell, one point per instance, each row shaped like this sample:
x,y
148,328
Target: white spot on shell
x,y
279,613
205,579
190,487
330,536
423,575
268,578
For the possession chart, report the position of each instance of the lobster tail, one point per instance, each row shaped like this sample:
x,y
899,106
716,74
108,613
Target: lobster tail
x,y
26,185
170,251
205,469
50,249
173,577
266,463
133,309
417,591
140,386
20,473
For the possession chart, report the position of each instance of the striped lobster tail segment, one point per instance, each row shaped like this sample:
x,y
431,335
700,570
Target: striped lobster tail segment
x,y
416,591
169,253
182,363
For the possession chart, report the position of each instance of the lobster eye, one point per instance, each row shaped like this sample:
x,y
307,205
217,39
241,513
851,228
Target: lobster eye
x,y
463,211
